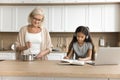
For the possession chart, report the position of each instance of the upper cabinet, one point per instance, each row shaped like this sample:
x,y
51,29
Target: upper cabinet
x,y
7,18
99,18
22,13
75,16
96,18
56,19
56,1
63,17
112,18
112,0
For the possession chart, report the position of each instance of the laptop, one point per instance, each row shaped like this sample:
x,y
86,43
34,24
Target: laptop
x,y
108,56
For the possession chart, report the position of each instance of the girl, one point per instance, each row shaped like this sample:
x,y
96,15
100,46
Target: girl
x,y
81,45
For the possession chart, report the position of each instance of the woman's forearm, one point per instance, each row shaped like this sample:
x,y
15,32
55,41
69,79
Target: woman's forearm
x,y
21,48
43,53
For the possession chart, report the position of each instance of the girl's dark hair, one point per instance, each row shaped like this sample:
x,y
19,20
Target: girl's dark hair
x,y
84,30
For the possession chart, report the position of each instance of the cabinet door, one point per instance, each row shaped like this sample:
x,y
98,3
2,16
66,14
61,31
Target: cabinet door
x,y
75,15
96,18
5,1
56,1
0,19
114,79
7,18
112,18
112,0
22,13
75,1
25,78
80,79
56,20
97,1
46,11
7,55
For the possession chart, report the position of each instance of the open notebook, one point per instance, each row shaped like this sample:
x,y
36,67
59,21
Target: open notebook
x,y
74,62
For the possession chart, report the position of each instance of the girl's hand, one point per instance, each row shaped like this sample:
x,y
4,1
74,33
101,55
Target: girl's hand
x,y
66,57
83,59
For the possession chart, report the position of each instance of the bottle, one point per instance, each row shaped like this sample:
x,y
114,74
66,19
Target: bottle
x,y
107,44
101,42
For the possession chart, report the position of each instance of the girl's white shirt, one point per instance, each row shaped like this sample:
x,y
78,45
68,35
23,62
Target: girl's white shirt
x,y
35,39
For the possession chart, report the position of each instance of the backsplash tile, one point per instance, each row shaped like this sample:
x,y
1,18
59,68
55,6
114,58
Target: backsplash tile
x,y
61,40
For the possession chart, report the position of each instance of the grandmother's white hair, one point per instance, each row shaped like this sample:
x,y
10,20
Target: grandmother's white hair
x,y
36,11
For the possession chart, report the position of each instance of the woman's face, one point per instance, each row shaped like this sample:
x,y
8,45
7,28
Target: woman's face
x,y
36,20
81,37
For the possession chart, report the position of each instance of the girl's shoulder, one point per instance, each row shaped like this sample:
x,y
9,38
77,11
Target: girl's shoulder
x,y
75,43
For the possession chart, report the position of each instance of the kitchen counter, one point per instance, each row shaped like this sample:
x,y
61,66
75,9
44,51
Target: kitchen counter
x,y
53,69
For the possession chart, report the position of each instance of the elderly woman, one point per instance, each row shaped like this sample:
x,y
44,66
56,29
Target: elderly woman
x,y
34,38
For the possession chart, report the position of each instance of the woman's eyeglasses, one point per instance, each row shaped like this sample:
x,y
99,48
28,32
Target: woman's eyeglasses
x,y
37,19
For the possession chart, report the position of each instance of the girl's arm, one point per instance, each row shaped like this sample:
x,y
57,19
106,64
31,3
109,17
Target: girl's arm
x,y
89,56
70,54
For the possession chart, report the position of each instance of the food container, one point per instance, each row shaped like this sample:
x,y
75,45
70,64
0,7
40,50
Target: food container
x,y
28,57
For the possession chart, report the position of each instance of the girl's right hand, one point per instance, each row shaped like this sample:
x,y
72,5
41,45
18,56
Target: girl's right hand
x,y
66,57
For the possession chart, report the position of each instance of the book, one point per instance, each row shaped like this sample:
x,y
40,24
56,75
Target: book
x,y
72,62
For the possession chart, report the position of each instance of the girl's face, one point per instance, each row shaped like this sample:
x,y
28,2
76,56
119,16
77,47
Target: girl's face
x,y
81,37
36,20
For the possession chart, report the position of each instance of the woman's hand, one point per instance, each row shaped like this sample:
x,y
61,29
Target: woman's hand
x,y
40,55
43,53
22,48
28,44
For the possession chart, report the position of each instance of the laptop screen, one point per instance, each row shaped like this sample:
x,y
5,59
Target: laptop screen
x,y
108,55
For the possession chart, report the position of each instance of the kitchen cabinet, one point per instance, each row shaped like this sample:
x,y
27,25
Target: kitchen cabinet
x,y
112,18
75,16
6,55
114,79
56,19
49,78
26,78
56,56
76,1
99,18
81,79
63,18
96,18
7,18
22,13
112,0
12,18
97,1
57,1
